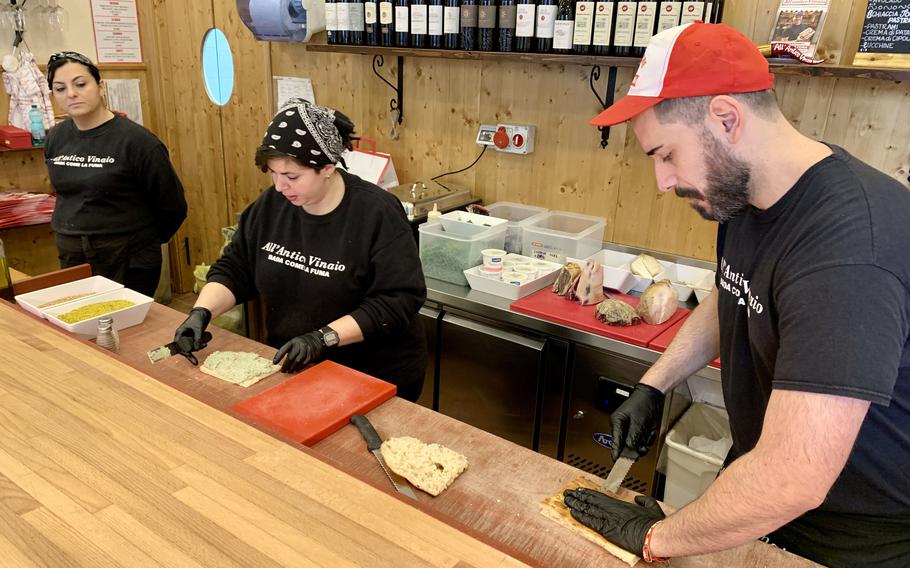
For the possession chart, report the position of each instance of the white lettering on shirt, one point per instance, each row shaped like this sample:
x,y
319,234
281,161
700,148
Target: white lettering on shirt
x,y
734,283
308,264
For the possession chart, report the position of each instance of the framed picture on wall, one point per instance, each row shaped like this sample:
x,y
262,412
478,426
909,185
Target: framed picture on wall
x,y
799,23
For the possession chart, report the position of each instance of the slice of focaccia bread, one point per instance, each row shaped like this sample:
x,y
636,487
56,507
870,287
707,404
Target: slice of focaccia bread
x,y
430,467
239,367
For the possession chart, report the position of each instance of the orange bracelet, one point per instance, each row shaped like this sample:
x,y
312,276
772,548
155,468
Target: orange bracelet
x,y
646,548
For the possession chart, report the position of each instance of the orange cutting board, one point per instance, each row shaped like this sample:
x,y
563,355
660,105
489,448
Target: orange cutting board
x,y
316,402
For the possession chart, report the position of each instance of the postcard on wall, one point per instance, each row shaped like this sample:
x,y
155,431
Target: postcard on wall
x,y
799,23
289,87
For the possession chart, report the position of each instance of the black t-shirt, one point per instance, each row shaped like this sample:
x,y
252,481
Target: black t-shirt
x,y
359,259
814,296
115,178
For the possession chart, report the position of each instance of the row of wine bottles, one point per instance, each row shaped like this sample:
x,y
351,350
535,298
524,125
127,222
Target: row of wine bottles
x,y
601,27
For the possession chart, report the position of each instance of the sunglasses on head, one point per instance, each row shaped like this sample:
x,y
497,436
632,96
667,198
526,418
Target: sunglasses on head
x,y
71,56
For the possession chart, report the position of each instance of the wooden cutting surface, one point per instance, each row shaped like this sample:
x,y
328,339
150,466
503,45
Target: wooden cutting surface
x,y
101,465
496,500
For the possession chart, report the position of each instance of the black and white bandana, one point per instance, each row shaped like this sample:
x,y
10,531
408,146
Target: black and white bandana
x,y
306,132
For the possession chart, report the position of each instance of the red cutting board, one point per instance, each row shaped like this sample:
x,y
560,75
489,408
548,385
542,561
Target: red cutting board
x,y
316,402
662,341
552,307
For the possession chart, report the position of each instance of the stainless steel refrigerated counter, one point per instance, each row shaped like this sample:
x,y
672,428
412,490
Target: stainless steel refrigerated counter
x,y
539,384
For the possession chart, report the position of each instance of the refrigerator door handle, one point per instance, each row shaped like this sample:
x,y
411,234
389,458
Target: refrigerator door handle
x,y
479,327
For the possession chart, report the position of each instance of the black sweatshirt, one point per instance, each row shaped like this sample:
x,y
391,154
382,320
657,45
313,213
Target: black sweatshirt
x,y
360,259
112,179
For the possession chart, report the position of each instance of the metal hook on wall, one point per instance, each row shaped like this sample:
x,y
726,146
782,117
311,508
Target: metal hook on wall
x,y
606,101
396,103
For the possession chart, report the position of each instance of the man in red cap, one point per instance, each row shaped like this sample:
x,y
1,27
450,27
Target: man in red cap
x,y
810,316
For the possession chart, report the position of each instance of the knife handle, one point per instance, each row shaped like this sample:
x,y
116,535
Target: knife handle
x,y
367,431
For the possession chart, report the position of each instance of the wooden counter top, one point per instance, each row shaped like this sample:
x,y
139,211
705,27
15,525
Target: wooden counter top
x,y
495,500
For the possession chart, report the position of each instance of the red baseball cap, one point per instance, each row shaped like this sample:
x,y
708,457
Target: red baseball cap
x,y
689,61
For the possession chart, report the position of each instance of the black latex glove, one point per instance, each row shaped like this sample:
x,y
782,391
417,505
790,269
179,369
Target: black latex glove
x,y
636,420
624,524
191,335
300,351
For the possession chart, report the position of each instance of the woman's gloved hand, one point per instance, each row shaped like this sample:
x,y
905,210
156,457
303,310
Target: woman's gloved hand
x,y
624,524
191,335
300,352
636,420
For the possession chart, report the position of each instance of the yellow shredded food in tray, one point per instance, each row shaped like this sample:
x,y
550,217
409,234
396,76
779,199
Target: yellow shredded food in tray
x,y
89,311
65,299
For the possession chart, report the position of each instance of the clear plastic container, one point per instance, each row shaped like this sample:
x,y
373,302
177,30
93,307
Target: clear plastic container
x,y
446,254
558,234
519,216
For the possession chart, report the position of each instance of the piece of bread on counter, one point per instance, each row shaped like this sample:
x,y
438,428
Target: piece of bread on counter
x,y
430,467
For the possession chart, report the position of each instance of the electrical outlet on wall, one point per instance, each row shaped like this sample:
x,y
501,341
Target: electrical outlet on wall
x,y
514,138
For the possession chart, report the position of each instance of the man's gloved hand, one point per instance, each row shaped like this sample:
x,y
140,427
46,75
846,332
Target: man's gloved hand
x,y
635,421
300,351
191,335
624,524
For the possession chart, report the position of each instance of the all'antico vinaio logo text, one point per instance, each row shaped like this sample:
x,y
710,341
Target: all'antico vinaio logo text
x,y
734,283
309,264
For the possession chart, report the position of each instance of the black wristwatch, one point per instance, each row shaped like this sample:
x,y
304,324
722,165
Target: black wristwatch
x,y
329,336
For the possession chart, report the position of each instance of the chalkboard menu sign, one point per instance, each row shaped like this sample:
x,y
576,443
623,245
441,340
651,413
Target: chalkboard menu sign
x,y
886,28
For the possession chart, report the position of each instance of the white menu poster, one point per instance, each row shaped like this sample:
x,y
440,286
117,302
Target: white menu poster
x,y
116,26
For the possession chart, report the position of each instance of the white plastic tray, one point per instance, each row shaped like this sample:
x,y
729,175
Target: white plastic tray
x,y
88,329
499,288
93,285
685,279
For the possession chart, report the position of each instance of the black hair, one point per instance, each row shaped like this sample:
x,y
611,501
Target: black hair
x,y
61,58
692,110
345,129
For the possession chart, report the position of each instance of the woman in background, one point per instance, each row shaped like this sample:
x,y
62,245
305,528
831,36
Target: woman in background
x,y
332,257
118,196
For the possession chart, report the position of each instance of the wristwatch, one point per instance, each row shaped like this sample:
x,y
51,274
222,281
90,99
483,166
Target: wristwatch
x,y
329,336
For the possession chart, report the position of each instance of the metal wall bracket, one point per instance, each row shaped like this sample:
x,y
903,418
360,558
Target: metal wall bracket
x,y
604,102
396,103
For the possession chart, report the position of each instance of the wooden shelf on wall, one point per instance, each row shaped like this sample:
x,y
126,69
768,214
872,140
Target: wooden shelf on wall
x,y
5,149
777,66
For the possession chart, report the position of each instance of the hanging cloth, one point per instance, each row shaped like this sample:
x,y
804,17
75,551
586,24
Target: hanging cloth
x,y
26,86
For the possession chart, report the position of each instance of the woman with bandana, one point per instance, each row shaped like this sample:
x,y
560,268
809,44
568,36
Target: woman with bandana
x,y
118,196
331,256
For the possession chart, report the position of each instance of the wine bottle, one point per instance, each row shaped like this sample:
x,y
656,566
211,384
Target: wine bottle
x,y
624,30
371,21
584,26
331,20
546,23
386,23
401,23
469,25
343,31
691,12
717,14
486,25
434,23
525,17
506,25
450,23
418,23
356,8
645,22
668,17
605,11
564,27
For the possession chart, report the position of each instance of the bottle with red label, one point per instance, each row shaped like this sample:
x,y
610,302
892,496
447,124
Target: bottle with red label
x,y
692,12
525,18
668,15
584,26
602,34
645,24
546,23
624,29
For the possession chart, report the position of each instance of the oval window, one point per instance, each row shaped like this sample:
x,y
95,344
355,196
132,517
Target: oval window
x,y
217,66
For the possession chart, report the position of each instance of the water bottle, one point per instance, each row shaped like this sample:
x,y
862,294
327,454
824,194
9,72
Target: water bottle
x,y
107,335
37,126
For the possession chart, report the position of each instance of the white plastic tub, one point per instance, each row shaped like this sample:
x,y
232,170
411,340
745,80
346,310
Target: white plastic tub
x,y
545,277
560,234
446,254
124,318
519,216
92,286
455,221
617,275
690,472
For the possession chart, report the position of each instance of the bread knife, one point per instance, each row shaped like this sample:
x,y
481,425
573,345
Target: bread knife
x,y
374,442
619,472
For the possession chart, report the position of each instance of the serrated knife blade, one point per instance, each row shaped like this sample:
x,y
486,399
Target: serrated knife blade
x,y
618,473
374,442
